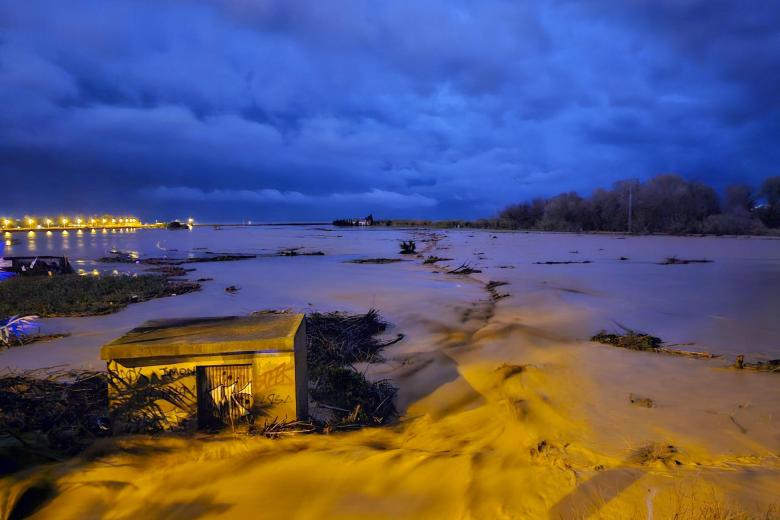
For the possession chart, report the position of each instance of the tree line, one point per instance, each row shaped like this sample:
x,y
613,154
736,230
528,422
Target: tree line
x,y
664,204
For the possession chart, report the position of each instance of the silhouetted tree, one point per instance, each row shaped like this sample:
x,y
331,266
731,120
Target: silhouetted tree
x,y
564,212
525,215
664,204
770,211
739,196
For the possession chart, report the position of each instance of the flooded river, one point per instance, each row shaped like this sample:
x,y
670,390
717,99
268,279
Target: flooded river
x,y
508,410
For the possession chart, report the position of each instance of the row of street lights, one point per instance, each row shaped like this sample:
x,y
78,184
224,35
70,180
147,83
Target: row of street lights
x,y
78,222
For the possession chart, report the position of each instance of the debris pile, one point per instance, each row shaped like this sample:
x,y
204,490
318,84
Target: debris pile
x,y
633,340
565,262
297,251
336,341
408,247
52,411
465,268
374,261
673,260
432,259
772,365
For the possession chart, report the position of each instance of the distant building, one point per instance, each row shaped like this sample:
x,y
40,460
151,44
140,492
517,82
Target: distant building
x,y
368,221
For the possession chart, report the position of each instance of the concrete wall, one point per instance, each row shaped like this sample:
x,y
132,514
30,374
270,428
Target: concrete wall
x,y
166,388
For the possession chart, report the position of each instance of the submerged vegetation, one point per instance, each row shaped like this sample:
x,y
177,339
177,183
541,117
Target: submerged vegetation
x,y
631,340
126,258
408,247
74,295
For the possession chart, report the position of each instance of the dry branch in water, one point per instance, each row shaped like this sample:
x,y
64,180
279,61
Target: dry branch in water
x,y
633,340
492,286
464,268
673,260
296,251
432,259
550,262
773,365
374,261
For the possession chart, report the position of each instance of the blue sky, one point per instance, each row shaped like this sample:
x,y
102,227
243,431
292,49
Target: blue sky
x,y
295,110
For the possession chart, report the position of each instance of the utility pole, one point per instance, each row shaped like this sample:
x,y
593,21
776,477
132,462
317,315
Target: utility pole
x,y
630,205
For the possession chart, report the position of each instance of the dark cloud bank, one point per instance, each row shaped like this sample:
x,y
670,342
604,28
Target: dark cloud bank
x,y
282,110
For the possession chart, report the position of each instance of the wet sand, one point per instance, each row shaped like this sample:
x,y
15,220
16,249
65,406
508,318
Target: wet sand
x,y
509,412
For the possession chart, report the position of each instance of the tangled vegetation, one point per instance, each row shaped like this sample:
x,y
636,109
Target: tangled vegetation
x,y
74,295
337,341
50,413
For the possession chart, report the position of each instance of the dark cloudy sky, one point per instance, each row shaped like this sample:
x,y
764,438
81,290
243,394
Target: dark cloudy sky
x,y
280,110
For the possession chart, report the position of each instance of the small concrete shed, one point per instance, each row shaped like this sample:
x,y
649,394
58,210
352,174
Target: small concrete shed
x,y
223,371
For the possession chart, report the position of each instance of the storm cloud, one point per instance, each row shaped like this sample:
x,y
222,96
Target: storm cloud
x,y
280,110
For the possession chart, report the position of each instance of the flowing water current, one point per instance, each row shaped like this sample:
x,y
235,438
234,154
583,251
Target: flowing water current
x,y
508,410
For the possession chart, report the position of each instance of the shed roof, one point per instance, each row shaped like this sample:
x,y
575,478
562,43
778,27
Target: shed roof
x,y
269,332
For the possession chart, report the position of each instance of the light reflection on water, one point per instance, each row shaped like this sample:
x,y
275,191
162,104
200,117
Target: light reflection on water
x,y
729,305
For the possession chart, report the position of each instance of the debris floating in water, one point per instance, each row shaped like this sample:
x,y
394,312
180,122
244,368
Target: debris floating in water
x,y
297,251
432,259
633,340
408,247
375,261
464,268
772,365
550,262
673,260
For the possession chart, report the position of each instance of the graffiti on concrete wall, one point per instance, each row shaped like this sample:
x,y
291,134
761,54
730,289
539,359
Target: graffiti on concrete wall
x,y
281,374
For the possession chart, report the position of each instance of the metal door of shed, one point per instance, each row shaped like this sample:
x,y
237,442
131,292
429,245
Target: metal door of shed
x,y
224,394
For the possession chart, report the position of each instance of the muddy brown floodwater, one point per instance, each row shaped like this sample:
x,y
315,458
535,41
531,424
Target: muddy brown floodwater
x,y
508,410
